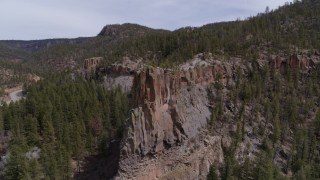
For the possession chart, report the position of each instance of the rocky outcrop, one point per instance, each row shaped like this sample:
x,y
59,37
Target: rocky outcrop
x,y
91,63
165,133
166,136
126,67
303,62
120,75
172,106
89,67
32,77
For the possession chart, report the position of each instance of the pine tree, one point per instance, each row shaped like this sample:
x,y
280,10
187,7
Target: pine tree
x,y
16,167
276,129
34,169
212,173
32,130
265,167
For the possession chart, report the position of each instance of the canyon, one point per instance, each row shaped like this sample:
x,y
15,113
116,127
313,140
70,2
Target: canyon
x,y
167,136
227,100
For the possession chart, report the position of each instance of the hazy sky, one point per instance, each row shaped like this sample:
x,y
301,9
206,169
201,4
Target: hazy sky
x,y
39,19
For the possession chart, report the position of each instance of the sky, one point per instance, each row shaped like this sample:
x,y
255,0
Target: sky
x,y
44,19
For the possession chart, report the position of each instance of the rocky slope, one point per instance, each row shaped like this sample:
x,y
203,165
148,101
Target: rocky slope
x,y
167,134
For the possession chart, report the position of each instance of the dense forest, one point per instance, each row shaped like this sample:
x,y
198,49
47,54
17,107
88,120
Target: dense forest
x,y
66,119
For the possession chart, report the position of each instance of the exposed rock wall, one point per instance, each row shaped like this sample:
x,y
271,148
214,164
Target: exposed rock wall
x,y
166,136
89,65
303,62
172,111
169,108
190,160
120,75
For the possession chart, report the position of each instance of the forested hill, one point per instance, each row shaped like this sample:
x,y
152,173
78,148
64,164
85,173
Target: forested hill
x,y
106,44
17,49
12,53
291,27
127,30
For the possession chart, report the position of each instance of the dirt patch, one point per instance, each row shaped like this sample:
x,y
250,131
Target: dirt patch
x,y
6,98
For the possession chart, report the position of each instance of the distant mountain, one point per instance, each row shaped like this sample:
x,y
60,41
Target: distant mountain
x,y
106,44
12,53
36,45
18,49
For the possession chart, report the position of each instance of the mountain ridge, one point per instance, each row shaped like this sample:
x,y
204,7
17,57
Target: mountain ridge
x,y
268,30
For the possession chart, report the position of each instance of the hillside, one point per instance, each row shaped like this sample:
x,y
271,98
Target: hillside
x,y
229,100
290,28
13,72
12,53
105,44
13,75
16,49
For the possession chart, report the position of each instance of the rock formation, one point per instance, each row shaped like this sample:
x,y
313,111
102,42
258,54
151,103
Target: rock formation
x,y
120,75
171,105
172,109
294,61
89,65
166,136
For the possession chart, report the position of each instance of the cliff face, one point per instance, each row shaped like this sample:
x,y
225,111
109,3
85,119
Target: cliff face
x,y
166,135
90,65
172,106
169,119
304,62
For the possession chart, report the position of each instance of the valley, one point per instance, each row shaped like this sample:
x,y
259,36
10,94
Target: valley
x,y
229,100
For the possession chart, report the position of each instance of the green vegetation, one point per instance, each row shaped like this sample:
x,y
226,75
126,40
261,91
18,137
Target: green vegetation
x,y
291,27
13,73
284,113
8,52
22,50
67,119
